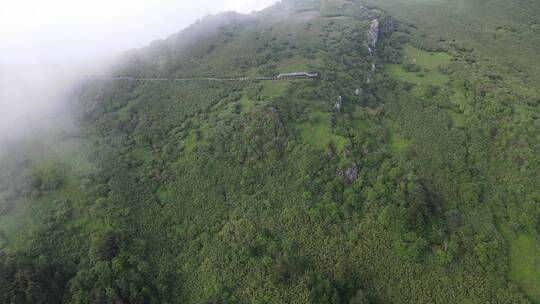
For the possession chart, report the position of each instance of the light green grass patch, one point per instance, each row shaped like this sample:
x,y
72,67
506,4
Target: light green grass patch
x,y
299,64
458,119
246,104
274,88
189,142
162,193
433,77
460,99
429,64
192,139
524,254
397,143
425,60
317,132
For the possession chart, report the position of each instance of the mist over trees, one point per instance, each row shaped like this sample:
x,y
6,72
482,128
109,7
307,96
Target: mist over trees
x,y
406,173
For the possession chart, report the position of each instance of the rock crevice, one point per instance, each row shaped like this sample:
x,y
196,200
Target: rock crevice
x,y
373,35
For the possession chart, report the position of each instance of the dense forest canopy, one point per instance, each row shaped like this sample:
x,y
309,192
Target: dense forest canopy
x,y
408,172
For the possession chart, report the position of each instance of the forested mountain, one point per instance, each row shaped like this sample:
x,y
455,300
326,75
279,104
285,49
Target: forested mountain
x,y
408,172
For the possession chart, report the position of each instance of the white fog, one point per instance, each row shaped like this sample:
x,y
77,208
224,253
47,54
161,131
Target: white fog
x,y
46,45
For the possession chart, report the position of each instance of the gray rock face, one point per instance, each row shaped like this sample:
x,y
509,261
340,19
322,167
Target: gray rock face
x,y
387,26
350,173
339,103
278,121
373,35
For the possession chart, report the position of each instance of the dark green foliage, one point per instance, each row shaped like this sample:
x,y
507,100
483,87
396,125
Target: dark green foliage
x,y
262,192
410,67
22,282
108,246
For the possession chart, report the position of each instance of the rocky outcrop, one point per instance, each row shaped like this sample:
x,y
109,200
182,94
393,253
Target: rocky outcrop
x,y
379,27
387,25
373,35
279,128
339,103
350,173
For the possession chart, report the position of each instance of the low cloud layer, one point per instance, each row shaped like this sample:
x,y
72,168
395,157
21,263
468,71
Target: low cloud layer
x,y
45,44
62,30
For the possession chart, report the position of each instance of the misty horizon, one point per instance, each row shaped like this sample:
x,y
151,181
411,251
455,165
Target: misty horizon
x,y
48,46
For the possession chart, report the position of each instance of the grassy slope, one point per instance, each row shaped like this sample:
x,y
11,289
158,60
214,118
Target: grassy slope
x,y
68,152
190,171
505,31
429,63
503,36
524,251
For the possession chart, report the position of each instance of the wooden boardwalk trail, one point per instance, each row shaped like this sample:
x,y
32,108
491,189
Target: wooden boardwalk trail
x,y
285,76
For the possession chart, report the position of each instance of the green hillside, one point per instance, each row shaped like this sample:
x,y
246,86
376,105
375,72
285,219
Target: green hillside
x,y
422,186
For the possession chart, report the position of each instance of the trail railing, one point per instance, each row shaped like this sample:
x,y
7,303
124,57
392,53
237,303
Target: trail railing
x,y
285,76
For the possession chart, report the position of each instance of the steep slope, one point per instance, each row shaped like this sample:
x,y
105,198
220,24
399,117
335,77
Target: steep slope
x,y
498,40
406,173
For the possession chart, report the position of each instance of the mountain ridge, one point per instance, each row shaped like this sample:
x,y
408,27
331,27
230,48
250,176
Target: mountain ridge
x,y
410,182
